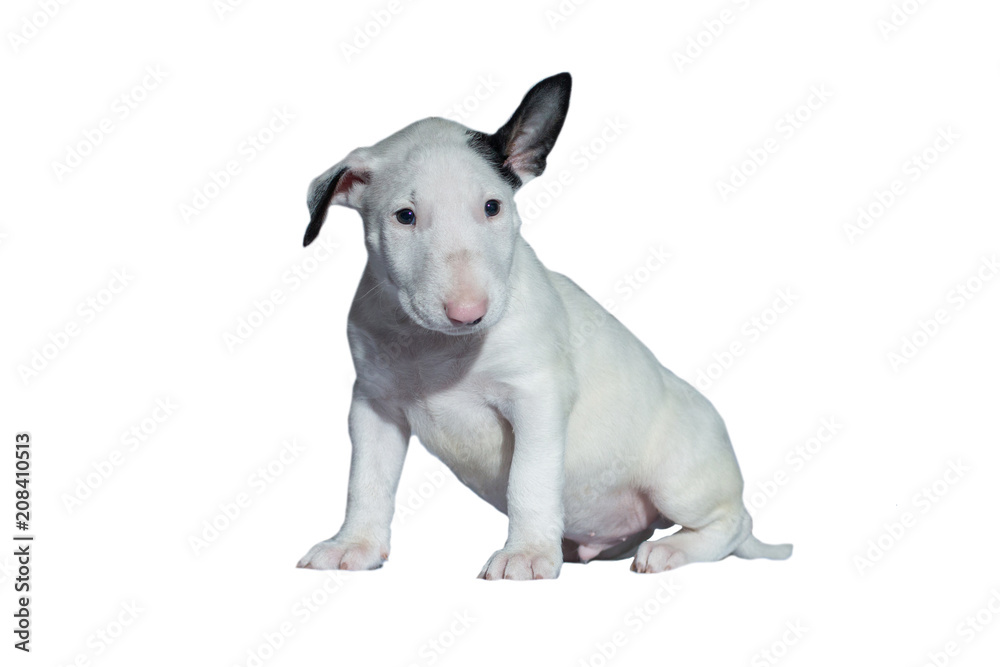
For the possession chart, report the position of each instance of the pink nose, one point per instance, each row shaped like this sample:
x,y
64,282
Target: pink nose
x,y
465,312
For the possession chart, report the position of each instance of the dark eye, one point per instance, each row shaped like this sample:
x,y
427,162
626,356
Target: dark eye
x,y
492,208
406,216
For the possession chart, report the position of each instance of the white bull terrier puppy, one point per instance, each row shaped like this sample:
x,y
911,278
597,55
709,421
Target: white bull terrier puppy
x,y
539,400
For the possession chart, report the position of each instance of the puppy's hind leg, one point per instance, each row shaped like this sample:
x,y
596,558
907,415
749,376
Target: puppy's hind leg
x,y
697,484
706,535
700,540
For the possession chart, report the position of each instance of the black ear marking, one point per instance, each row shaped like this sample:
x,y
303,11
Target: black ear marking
x,y
492,150
517,151
318,206
526,139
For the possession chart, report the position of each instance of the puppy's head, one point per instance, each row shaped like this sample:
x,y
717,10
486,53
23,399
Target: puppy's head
x,y
437,201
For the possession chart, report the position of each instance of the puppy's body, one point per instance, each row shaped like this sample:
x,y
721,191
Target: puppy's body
x,y
545,406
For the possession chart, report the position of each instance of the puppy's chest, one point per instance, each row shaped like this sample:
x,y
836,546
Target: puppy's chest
x,y
461,428
450,398
453,410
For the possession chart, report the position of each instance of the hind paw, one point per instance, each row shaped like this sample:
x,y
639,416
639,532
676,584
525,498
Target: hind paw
x,y
659,556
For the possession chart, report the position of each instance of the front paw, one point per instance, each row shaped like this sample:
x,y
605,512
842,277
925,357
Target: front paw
x,y
523,563
342,554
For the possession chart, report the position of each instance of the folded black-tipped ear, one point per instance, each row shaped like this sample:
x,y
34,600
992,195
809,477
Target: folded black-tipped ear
x,y
340,184
526,139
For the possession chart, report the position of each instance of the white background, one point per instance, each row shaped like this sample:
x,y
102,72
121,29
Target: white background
x,y
650,184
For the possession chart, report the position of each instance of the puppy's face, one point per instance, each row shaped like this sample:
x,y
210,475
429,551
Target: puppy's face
x,y
441,222
437,200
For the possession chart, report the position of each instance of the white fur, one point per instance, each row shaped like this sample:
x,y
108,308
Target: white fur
x,y
549,409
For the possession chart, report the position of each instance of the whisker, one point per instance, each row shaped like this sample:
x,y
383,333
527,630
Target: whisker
x,y
377,285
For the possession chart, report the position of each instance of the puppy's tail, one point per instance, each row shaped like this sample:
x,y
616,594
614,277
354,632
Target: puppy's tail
x,y
754,548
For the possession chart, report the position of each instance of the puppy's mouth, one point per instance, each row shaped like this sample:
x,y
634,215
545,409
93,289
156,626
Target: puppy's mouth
x,y
443,324
463,329
452,329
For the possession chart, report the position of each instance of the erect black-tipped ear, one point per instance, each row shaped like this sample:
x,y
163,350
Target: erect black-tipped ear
x,y
525,140
340,184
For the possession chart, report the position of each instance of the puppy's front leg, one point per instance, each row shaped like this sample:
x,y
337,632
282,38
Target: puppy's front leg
x,y
378,447
534,492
